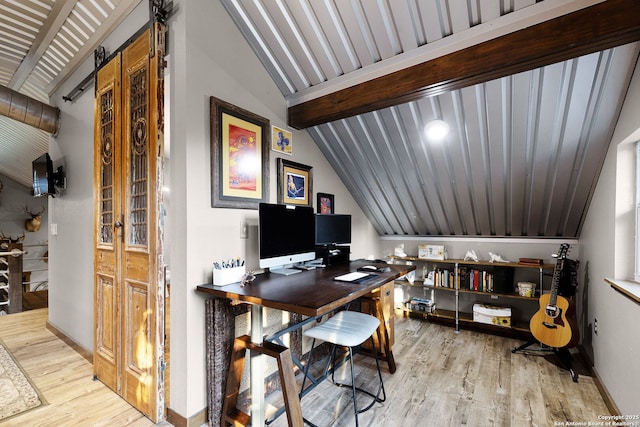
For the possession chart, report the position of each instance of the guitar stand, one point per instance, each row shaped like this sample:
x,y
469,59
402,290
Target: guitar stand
x,y
563,354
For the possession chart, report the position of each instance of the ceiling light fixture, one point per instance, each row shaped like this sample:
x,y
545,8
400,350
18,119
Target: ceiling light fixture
x,y
436,130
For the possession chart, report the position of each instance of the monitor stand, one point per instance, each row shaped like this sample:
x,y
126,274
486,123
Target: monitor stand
x,y
285,271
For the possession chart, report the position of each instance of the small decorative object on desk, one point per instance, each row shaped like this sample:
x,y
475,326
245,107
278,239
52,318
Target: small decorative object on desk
x,y
431,252
227,272
247,278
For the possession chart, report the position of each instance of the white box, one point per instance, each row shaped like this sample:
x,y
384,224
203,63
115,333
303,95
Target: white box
x,y
492,314
430,251
227,276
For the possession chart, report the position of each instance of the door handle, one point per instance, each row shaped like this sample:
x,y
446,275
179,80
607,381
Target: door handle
x,y
120,225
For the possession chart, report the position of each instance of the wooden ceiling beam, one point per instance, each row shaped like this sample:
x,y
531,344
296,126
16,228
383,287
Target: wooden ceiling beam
x,y
602,26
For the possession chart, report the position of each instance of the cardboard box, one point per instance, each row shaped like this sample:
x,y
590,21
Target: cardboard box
x,y
430,252
492,314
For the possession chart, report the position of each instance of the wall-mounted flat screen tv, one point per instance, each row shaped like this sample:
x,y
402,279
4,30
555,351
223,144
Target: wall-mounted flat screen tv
x,y
43,184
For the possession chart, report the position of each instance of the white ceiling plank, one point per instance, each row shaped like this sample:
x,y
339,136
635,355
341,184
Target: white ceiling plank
x,y
119,13
50,28
507,24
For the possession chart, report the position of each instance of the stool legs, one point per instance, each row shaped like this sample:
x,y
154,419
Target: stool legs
x,y
331,362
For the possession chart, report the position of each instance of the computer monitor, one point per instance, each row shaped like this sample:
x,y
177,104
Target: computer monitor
x,y
286,236
333,229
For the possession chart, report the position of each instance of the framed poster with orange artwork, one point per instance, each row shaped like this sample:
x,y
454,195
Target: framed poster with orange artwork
x,y
240,145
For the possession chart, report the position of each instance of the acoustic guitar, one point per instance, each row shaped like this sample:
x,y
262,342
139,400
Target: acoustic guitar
x,y
554,324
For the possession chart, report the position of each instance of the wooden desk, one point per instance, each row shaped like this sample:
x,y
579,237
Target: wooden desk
x,y
309,293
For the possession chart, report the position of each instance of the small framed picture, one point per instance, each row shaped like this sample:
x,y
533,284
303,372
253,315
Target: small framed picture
x,y
281,140
295,183
325,204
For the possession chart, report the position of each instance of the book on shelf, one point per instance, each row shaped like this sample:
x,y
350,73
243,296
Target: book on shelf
x,y
480,281
530,261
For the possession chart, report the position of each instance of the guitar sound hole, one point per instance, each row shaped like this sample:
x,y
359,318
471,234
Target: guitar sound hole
x,y
552,311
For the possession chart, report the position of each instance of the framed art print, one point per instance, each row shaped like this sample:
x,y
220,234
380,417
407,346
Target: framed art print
x,y
281,140
295,183
240,142
325,204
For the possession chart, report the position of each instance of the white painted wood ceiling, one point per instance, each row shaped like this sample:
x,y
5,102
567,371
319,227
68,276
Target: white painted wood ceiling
x,y
524,152
41,43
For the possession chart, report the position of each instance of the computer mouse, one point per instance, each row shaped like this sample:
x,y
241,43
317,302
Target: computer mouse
x,y
369,268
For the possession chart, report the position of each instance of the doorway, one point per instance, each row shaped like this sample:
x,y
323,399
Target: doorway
x,y
129,291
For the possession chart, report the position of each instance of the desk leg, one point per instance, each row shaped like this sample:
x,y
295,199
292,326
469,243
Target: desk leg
x,y
257,369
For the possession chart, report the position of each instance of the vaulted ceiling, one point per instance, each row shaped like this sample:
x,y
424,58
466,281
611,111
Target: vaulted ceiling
x,y
42,42
531,91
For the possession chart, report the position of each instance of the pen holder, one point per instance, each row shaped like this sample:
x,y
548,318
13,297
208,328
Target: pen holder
x,y
226,276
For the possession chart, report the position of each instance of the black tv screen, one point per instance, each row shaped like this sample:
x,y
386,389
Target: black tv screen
x,y
285,234
333,229
43,176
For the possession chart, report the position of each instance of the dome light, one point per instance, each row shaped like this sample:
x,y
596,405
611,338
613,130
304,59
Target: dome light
x,y
436,130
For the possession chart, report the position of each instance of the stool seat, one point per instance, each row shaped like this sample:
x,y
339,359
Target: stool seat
x,y
348,329
345,328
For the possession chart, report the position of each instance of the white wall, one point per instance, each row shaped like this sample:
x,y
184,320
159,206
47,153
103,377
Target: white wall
x,y
14,198
207,57
607,246
211,58
71,250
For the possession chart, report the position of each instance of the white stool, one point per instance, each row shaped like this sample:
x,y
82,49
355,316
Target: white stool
x,y
348,329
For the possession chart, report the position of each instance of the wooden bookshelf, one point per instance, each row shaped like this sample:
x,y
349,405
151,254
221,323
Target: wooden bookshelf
x,y
460,318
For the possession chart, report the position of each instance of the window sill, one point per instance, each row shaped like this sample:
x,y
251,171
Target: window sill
x,y
627,288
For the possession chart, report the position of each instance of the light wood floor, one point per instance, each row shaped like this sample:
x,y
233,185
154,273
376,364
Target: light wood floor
x,y
443,379
64,378
470,378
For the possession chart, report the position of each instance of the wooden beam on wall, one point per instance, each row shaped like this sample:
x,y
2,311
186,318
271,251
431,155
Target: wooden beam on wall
x,y
602,26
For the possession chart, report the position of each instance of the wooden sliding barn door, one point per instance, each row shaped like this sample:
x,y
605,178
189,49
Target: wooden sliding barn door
x,y
129,331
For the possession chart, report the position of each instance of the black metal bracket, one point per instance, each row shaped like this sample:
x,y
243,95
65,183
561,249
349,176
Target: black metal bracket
x,y
159,12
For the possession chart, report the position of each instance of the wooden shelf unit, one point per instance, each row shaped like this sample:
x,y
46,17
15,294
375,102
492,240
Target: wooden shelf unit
x,y
457,317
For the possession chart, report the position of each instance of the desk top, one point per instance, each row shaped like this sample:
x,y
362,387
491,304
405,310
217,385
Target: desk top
x,y
311,292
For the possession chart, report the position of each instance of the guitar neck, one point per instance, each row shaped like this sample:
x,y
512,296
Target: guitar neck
x,y
555,283
557,271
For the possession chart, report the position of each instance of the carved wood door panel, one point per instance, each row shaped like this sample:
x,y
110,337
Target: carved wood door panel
x,y
129,335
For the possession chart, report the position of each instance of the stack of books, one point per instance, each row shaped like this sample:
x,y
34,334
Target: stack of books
x,y
536,262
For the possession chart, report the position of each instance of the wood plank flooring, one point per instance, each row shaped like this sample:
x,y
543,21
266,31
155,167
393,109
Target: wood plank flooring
x,y
466,379
64,378
443,379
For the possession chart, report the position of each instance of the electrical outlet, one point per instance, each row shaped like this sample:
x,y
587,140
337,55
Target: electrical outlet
x,y
595,325
244,230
